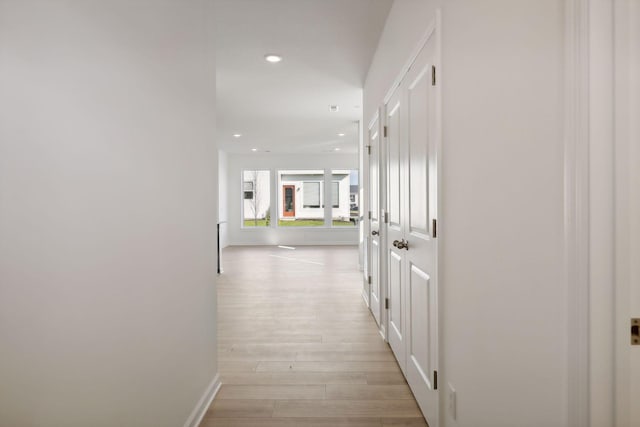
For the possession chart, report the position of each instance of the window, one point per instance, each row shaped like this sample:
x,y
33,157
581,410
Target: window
x,y
311,195
256,188
335,194
300,198
248,190
344,198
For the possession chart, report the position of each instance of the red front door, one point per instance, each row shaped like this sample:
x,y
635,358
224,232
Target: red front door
x,y
288,200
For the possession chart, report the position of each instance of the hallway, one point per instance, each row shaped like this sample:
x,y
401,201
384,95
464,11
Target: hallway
x,y
298,347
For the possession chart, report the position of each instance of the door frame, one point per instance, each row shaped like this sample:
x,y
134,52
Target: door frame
x,y
626,36
597,145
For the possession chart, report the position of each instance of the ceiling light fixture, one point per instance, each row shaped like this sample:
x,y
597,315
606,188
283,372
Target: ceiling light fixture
x,y
254,149
237,135
336,149
341,134
272,58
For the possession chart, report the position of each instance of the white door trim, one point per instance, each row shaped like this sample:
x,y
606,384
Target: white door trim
x,y
576,207
627,132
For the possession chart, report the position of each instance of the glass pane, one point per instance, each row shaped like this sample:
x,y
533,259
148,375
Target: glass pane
x,y
335,194
257,198
344,198
300,198
311,194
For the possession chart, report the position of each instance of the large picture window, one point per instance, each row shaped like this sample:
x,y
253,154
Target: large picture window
x,y
301,200
256,189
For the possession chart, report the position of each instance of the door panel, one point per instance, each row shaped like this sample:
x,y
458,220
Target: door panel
x,y
393,158
375,279
419,351
396,315
418,153
374,223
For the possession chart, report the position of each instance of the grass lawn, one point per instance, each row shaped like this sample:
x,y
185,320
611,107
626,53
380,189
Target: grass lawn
x,y
301,223
297,223
254,223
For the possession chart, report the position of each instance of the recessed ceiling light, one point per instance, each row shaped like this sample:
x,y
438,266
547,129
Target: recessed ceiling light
x,y
273,58
237,135
336,149
334,108
341,134
254,149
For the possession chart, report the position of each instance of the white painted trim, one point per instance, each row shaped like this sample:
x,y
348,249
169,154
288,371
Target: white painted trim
x,y
443,398
201,408
383,333
576,208
627,139
306,243
365,297
372,122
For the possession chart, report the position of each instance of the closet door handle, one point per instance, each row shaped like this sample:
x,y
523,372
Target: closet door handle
x,y
396,243
403,245
374,233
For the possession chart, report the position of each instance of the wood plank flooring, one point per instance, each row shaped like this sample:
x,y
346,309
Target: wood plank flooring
x,y
298,347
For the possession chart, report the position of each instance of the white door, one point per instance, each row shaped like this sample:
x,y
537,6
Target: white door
x,y
412,138
395,228
421,244
374,222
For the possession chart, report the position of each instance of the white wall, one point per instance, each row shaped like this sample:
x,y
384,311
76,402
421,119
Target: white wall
x,y
282,235
223,196
501,221
107,211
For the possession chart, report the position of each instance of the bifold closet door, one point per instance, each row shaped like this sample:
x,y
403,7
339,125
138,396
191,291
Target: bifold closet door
x,y
412,247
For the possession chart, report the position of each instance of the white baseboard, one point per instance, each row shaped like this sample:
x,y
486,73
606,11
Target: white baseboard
x,y
197,415
365,297
383,333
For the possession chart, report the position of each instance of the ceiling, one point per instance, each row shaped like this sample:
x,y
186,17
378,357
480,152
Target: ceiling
x,y
327,46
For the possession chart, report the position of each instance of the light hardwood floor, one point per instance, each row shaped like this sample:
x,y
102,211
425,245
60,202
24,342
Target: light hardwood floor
x,y
298,347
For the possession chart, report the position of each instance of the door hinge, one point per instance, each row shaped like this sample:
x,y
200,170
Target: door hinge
x,y
635,331
386,303
386,217
384,131
369,280
369,214
368,149
435,380
433,75
434,228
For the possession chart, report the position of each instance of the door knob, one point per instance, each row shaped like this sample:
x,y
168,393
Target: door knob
x,y
403,245
396,243
374,233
